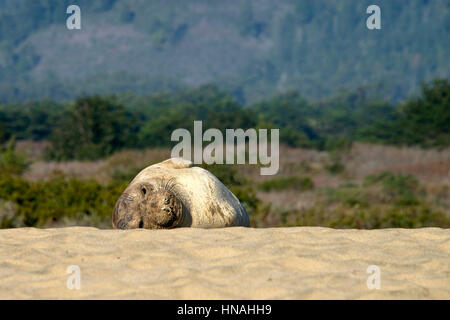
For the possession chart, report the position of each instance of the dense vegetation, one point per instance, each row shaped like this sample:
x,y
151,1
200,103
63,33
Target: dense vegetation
x,y
383,200
91,128
94,127
253,48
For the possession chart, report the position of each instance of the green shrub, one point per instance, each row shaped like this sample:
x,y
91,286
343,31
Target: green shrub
x,y
4,134
374,217
338,145
336,148
252,204
402,189
12,162
91,128
351,196
123,175
43,203
295,183
8,215
425,120
335,167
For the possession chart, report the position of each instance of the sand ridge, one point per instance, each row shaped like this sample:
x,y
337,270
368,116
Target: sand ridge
x,y
230,263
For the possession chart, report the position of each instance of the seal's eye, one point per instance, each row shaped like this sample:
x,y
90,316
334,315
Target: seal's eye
x,y
144,191
166,201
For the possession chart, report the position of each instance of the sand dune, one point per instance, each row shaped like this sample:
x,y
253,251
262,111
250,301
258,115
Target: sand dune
x,y
233,263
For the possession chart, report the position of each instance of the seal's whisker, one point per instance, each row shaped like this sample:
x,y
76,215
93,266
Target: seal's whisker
x,y
171,184
126,197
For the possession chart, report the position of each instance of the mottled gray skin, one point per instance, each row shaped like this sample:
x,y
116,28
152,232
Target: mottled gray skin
x,y
147,205
173,194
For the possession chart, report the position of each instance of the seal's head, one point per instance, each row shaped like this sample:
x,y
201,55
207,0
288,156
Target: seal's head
x,y
148,206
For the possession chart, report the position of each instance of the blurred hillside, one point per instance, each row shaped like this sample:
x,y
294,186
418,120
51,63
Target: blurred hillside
x,y
251,48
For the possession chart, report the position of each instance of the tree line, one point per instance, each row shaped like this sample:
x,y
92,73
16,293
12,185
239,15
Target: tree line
x,y
97,126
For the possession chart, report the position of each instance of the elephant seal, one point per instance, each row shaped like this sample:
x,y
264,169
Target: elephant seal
x,y
174,193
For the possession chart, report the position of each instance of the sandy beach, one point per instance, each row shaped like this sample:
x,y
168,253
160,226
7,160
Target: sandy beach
x,y
232,263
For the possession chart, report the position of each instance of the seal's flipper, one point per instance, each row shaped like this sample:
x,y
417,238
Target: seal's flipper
x,y
176,163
